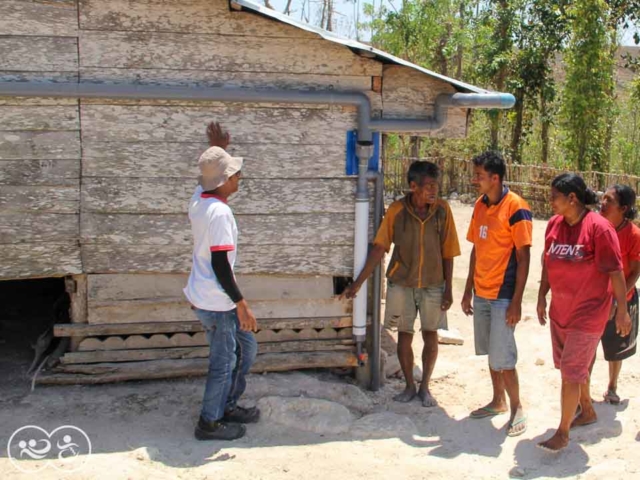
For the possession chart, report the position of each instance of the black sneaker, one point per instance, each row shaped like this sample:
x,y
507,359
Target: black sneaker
x,y
206,430
242,415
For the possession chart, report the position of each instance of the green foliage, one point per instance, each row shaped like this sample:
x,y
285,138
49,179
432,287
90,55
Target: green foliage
x,y
514,46
587,108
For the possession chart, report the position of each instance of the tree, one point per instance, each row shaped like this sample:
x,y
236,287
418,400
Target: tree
x,y
540,36
587,101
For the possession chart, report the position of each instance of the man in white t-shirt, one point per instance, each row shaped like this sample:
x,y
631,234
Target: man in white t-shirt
x,y
217,301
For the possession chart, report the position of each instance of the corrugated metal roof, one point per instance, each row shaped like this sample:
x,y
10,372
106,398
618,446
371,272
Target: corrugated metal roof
x,y
360,48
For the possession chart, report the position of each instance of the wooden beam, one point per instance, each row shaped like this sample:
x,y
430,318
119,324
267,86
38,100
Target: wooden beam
x,y
221,52
174,229
36,117
161,369
76,287
40,199
177,309
39,54
39,145
253,287
40,172
171,195
204,17
305,259
38,228
87,330
198,352
175,123
59,18
163,340
166,159
39,260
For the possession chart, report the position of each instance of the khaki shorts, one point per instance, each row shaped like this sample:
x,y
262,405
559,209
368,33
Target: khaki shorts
x,y
403,305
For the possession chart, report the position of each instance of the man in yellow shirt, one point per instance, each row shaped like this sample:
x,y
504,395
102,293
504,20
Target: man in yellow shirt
x,y
422,230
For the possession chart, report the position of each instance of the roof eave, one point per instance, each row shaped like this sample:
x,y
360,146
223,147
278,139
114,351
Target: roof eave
x,y
357,47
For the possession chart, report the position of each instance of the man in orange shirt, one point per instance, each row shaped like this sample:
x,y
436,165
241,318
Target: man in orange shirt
x,y
501,231
422,230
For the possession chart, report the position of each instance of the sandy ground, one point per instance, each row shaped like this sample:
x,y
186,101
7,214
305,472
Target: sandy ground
x,y
145,429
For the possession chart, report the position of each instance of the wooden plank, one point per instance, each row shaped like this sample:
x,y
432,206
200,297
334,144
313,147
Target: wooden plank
x,y
38,228
37,117
263,259
39,54
134,355
41,101
186,16
254,287
172,195
221,52
133,342
292,339
39,260
160,369
277,362
42,77
162,159
125,123
288,335
39,17
197,352
172,310
43,199
307,346
293,229
87,330
408,93
39,145
40,172
76,287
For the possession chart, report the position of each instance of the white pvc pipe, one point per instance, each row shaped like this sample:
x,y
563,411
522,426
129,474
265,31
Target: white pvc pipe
x,y
361,244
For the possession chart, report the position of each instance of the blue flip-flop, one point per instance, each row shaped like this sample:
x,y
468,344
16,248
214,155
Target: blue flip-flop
x,y
513,424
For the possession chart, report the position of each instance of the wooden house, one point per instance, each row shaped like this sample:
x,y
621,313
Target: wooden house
x,y
94,185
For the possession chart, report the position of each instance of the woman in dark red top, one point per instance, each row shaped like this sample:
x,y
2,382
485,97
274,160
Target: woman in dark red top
x,y
619,207
582,267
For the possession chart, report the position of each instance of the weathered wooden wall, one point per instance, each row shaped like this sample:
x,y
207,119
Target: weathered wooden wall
x,y
137,158
40,153
97,189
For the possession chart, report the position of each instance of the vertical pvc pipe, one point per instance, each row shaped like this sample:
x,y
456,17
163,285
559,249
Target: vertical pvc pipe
x,y
377,289
361,244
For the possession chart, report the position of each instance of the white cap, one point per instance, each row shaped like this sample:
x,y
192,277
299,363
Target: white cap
x,y
216,166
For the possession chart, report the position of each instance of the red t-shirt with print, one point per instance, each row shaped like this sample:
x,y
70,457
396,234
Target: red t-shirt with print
x,y
579,259
629,238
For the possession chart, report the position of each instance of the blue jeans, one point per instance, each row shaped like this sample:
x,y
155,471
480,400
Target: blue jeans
x,y
231,353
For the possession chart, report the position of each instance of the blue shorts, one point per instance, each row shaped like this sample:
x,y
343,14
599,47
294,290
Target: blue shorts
x,y
492,334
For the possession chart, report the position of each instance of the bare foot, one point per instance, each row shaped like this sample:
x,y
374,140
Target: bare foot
x,y
584,418
517,423
427,398
406,396
610,396
489,410
555,443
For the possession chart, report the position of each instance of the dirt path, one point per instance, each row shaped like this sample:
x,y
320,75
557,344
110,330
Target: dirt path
x,y
145,430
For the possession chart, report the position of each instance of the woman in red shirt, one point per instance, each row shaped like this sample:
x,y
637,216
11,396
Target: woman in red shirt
x,y
582,265
619,207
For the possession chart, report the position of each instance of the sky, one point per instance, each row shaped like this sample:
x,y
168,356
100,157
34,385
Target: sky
x,y
346,11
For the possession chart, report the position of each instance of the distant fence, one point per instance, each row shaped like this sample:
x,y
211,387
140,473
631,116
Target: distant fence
x,y
532,182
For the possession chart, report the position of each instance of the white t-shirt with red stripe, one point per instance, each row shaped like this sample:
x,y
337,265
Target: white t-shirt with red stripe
x,y
214,229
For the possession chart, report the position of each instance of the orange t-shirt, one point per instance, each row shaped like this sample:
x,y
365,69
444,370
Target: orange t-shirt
x,y
496,232
629,237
